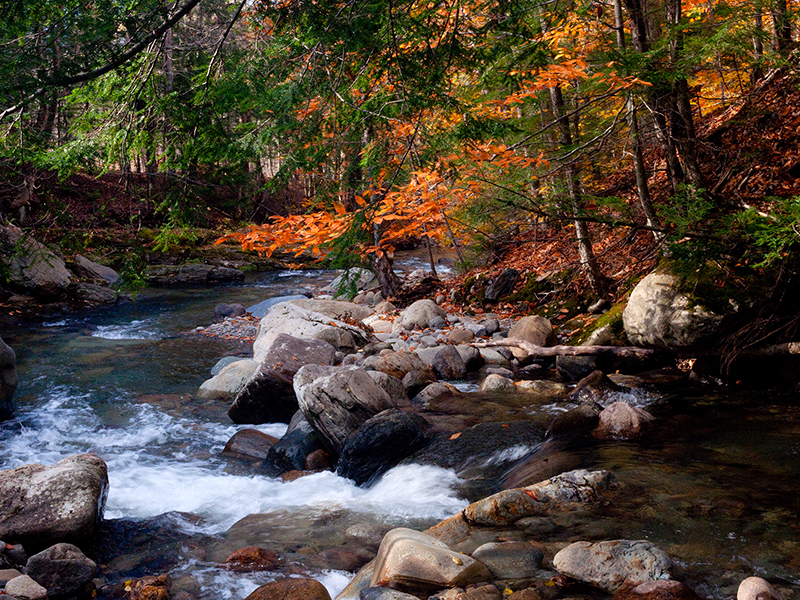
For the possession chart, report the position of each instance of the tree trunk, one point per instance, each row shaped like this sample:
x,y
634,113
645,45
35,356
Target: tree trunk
x,y
597,281
781,28
758,45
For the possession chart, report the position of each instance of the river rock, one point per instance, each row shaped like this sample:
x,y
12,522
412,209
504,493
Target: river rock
x,y
229,381
300,323
662,589
621,420
380,443
497,383
252,559
291,589
502,285
89,269
150,587
224,362
249,444
8,380
393,386
384,593
416,381
595,387
444,360
756,588
179,275
7,575
62,569
471,357
291,452
416,562
460,335
25,588
534,329
29,266
260,310
354,279
91,295
227,311
478,592
420,314
559,492
577,421
268,396
41,504
397,364
336,309
574,368
510,560
658,314
611,564
338,400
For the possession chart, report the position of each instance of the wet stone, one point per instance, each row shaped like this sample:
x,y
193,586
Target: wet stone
x,y
510,560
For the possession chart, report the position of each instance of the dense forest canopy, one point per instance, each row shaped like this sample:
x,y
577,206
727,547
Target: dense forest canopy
x,y
362,123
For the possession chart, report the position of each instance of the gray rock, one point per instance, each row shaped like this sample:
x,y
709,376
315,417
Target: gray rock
x,y
229,381
397,364
497,383
609,565
393,386
291,451
352,280
416,562
91,295
756,588
492,325
62,569
420,313
335,309
7,575
338,400
471,357
510,560
224,311
31,267
478,329
268,396
662,589
249,444
89,269
444,360
180,275
384,593
659,314
224,362
380,443
502,285
25,588
8,380
460,335
340,339
60,502
595,387
416,381
260,310
621,420
534,329
385,307
573,368
300,323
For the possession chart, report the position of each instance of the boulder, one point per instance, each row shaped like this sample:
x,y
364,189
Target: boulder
x,y
397,364
756,588
609,565
8,380
510,560
352,280
445,361
25,588
416,381
40,505
420,314
502,285
261,309
380,443
291,589
336,309
249,444
229,381
621,420
268,396
7,575
662,589
534,329
88,269
471,357
180,275
300,323
393,386
659,314
573,368
224,362
416,562
460,335
227,311
497,383
62,569
338,400
91,295
29,266
384,593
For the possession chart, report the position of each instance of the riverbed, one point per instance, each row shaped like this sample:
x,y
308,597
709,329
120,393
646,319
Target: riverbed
x,y
718,484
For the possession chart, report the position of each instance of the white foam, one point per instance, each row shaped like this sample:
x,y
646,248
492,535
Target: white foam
x,y
134,330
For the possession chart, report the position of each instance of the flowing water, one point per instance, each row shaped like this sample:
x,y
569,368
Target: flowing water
x,y
718,485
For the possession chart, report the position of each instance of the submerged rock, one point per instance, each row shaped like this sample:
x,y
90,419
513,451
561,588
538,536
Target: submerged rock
x,y
621,420
249,444
40,505
252,559
612,564
663,589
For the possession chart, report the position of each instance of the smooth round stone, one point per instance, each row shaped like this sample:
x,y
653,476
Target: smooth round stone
x,y
510,560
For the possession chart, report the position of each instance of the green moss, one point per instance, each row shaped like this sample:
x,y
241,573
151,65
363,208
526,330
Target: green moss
x,y
611,318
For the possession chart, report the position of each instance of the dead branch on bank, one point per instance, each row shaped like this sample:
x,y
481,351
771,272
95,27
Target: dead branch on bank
x,y
535,351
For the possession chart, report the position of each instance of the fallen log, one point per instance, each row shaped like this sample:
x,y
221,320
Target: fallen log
x,y
535,351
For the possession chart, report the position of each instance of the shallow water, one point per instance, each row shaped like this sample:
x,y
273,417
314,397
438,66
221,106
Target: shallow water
x,y
718,485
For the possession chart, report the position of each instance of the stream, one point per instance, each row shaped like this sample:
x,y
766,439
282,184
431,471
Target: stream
x,y
717,486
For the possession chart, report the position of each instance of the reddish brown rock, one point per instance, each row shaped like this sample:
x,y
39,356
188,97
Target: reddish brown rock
x,y
658,590
291,589
252,558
